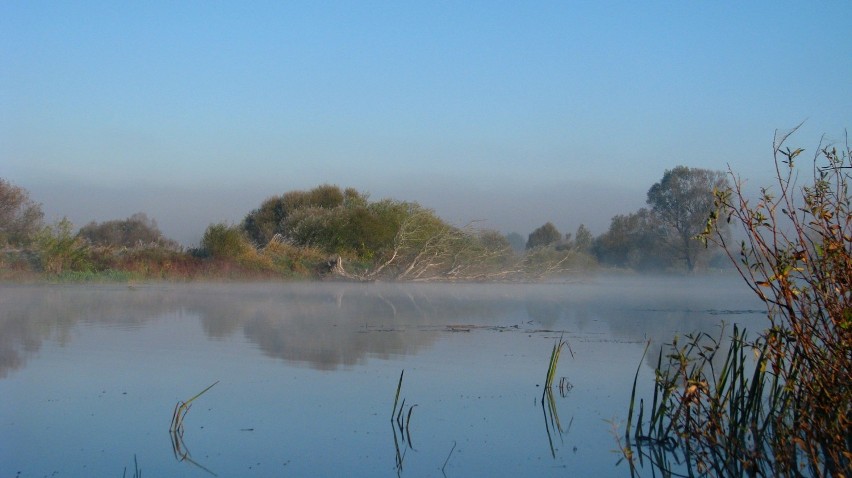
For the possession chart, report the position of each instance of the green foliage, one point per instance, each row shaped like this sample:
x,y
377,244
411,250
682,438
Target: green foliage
x,y
261,224
493,240
134,231
633,241
788,411
797,257
682,201
20,218
222,241
583,239
545,235
719,403
275,214
59,249
109,275
388,239
355,229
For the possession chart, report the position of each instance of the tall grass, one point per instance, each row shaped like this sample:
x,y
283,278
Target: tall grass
x,y
720,405
781,404
555,352
548,403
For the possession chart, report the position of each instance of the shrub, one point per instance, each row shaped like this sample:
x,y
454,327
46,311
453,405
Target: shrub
x,y
134,231
20,218
544,236
222,241
59,249
790,409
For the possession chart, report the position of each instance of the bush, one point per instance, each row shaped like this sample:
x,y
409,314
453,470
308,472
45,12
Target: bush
x,y
59,249
790,409
20,218
134,231
544,236
797,257
222,241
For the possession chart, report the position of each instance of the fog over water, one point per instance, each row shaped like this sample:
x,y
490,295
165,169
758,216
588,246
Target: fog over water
x,y
290,321
306,373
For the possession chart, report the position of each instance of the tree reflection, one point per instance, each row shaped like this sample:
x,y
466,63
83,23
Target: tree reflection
x,y
328,325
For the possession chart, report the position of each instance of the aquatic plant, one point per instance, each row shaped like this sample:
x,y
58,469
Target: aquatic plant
x,y
551,420
181,409
400,424
788,410
554,361
722,418
548,404
179,448
444,466
137,472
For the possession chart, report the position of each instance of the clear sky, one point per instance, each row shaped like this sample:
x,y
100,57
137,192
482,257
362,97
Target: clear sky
x,y
515,113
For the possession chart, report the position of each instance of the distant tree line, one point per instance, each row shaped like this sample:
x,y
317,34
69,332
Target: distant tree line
x,y
664,235
330,230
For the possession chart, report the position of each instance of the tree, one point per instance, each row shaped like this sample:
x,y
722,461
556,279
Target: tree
x,y
274,214
136,230
683,201
633,240
796,256
517,241
20,218
59,249
224,242
583,239
544,236
263,223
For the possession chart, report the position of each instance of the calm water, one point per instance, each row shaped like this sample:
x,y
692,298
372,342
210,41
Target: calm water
x,y
89,375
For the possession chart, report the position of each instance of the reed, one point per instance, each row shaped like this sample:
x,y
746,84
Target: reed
x,y
181,409
780,405
551,419
548,403
723,418
137,472
554,361
400,423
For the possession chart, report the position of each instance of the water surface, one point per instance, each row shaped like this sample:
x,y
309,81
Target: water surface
x,y
307,375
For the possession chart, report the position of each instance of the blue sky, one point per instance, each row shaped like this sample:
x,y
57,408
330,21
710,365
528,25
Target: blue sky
x,y
514,113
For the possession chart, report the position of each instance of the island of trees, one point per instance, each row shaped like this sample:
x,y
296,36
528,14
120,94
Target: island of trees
x,y
328,231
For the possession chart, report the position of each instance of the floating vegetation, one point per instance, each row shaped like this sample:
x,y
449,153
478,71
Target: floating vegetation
x,y
400,421
179,448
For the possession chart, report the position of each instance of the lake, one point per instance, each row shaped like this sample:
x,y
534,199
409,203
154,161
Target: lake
x,y
306,375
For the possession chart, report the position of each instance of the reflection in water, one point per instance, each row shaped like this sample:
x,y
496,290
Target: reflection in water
x,y
176,430
478,352
400,421
328,325
551,420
